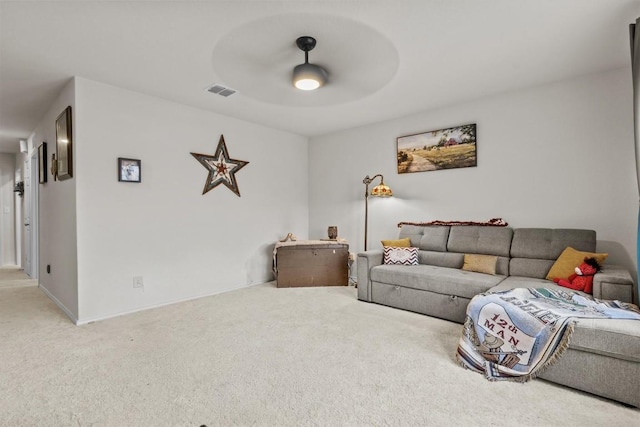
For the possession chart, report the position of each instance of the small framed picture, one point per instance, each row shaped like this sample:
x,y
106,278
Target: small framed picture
x,y
129,170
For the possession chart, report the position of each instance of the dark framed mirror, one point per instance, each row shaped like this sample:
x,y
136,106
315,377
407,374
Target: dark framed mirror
x,y
64,145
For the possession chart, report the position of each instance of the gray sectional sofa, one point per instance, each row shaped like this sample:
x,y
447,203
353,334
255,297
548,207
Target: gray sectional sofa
x,y
603,357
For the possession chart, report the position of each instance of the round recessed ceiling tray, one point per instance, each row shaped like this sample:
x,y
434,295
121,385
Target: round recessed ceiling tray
x,y
258,58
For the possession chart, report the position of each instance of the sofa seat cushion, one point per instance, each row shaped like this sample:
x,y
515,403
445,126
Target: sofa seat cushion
x,y
619,338
442,280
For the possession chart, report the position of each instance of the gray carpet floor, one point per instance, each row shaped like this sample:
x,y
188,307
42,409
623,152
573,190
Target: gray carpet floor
x,y
14,277
261,356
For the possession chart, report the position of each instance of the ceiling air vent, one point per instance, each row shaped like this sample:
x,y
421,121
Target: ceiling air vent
x,y
221,90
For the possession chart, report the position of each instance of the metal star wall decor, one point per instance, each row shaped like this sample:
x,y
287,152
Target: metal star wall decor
x,y
222,169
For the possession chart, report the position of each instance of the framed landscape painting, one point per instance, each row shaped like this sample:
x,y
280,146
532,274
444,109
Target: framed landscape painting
x,y
439,149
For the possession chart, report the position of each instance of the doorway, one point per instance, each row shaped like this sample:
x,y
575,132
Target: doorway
x,y
31,216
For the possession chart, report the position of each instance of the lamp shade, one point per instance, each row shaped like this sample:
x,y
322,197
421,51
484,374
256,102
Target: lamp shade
x,y
309,76
381,190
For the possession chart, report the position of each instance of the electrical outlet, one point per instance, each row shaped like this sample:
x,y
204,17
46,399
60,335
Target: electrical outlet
x,y
137,282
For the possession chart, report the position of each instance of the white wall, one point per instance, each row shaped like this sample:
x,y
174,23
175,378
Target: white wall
x,y
559,155
184,244
7,210
57,209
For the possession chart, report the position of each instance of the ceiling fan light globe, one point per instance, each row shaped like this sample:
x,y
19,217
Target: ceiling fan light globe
x,y
309,76
307,84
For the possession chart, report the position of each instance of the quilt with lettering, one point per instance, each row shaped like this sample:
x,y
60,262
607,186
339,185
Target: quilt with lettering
x,y
513,335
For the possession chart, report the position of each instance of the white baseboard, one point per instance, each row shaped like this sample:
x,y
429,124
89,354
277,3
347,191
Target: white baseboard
x,y
162,304
59,304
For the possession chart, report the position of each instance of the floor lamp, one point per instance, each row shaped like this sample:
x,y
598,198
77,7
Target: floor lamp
x,y
380,190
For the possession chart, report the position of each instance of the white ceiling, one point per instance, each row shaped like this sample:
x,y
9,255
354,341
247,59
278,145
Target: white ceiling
x,y
435,53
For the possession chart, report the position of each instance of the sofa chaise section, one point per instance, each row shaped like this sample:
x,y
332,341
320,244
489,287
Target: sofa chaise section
x,y
603,355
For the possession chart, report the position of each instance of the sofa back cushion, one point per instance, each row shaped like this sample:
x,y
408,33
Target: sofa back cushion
x,y
441,259
480,240
502,266
445,246
534,250
456,260
427,238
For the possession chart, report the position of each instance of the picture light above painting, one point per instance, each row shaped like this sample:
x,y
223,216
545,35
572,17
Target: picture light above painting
x,y
439,149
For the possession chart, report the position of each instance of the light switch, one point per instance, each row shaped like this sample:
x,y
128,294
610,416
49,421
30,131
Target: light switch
x,y
7,209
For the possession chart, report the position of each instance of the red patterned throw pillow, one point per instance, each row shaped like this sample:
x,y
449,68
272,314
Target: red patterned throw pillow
x,y
400,256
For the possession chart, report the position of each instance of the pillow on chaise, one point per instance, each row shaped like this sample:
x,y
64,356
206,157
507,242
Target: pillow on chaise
x,y
480,263
400,256
569,259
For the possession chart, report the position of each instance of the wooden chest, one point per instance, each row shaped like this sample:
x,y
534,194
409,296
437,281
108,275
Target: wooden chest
x,y
312,265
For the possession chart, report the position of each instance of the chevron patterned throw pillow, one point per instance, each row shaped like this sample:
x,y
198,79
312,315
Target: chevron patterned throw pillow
x,y
400,256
